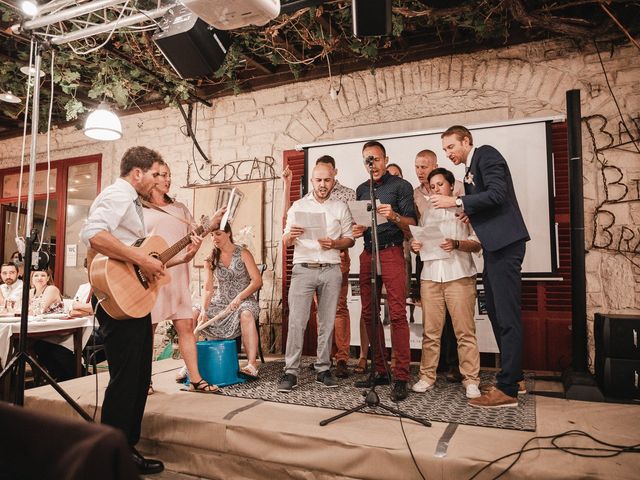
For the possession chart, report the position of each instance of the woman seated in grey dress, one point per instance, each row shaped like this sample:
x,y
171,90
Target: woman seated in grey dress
x,y
232,311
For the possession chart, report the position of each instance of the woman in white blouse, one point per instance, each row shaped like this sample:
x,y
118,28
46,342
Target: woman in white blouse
x,y
448,282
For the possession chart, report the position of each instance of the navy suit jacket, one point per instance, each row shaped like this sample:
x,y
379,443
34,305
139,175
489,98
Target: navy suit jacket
x,y
490,201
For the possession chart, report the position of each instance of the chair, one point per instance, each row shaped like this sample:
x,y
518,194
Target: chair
x,y
93,353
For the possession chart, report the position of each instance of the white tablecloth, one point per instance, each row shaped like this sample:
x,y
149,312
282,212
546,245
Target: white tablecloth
x,y
8,329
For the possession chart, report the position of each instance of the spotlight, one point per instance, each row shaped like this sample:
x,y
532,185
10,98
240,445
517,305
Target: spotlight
x,y
103,124
29,8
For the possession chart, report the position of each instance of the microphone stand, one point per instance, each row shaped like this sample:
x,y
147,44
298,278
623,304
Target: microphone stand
x,y
371,398
22,357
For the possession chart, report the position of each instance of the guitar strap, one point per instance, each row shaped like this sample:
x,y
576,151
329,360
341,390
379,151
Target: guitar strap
x,y
155,207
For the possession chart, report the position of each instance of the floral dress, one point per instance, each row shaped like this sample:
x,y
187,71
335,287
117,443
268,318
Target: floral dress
x,y
36,304
231,281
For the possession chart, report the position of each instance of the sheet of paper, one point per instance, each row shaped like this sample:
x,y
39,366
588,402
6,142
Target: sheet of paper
x,y
71,257
431,237
225,217
314,224
361,215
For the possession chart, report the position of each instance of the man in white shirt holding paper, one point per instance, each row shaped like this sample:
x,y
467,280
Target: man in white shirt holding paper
x,y
316,270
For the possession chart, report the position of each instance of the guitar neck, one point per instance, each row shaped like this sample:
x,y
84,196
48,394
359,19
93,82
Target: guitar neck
x,y
173,250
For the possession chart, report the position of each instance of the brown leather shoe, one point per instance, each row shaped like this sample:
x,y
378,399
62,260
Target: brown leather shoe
x,y
494,399
487,387
341,370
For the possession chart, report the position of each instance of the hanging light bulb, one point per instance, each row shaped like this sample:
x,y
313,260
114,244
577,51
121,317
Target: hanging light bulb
x,y
103,124
9,97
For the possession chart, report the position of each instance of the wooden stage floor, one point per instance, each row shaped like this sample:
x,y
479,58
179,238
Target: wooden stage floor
x,y
213,436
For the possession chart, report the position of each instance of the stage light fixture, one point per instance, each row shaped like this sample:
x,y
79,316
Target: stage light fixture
x,y
31,71
103,124
29,8
9,97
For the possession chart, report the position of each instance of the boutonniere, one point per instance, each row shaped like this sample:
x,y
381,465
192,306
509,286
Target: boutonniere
x,y
468,178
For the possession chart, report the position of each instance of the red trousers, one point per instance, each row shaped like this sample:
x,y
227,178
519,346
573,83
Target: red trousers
x,y
393,274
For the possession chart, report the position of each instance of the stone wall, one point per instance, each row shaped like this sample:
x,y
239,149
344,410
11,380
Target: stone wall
x,y
517,82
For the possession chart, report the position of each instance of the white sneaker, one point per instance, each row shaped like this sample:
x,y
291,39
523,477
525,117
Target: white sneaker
x,y
473,391
422,386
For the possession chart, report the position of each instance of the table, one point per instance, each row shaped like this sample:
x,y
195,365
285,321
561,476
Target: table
x,y
73,334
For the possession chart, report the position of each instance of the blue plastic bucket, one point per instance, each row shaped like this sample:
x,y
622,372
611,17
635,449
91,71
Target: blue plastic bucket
x,y
218,362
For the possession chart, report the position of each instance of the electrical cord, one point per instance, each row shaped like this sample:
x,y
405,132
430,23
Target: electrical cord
x,y
46,205
98,47
24,146
613,451
93,344
191,134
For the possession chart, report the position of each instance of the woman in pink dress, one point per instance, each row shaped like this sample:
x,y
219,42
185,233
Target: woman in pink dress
x,y
174,299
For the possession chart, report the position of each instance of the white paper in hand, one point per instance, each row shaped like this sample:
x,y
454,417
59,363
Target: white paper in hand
x,y
313,223
431,238
361,213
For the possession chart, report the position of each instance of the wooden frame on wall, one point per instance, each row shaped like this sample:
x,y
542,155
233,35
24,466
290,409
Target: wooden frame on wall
x,y
248,223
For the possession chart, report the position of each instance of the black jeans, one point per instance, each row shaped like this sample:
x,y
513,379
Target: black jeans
x,y
128,344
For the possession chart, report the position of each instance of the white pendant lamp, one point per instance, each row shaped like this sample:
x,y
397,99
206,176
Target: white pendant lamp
x,y
31,71
103,124
9,97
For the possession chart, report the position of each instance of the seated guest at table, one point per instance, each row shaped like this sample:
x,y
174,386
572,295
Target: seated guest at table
x,y
448,284
81,305
238,280
16,259
44,297
60,361
11,288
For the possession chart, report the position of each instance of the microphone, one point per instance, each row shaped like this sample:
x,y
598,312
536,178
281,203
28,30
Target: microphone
x,y
369,160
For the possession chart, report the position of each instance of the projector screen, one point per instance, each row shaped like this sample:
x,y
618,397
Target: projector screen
x,y
524,144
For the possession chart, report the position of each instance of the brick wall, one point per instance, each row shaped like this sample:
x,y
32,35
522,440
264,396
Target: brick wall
x,y
517,82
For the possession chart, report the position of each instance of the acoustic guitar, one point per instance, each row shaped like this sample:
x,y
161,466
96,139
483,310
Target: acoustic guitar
x,y
121,286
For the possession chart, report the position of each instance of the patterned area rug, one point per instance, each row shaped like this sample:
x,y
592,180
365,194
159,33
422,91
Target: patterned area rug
x,y
445,403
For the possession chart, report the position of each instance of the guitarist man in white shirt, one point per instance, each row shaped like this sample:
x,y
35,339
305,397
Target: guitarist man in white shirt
x,y
115,222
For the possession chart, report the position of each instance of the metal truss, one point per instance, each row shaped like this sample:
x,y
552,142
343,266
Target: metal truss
x,y
64,21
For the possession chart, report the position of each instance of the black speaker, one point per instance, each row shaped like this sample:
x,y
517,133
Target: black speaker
x,y
371,17
193,48
617,354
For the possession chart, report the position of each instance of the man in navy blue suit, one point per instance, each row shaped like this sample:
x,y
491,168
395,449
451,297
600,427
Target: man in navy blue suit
x,y
490,204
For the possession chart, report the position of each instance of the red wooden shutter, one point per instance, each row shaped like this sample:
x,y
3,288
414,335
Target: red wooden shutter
x,y
295,161
546,306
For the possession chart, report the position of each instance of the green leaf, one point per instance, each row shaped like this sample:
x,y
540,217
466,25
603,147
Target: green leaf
x,y
72,108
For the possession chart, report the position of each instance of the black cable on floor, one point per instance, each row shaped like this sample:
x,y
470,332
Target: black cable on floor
x,y
612,451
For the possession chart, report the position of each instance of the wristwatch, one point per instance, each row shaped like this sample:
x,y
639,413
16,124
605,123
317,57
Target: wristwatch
x,y
396,218
458,202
